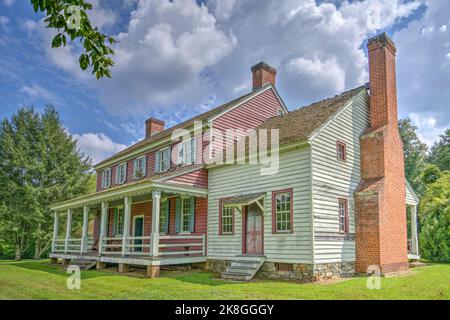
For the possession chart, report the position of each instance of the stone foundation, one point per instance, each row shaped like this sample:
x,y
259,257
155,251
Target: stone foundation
x,y
299,272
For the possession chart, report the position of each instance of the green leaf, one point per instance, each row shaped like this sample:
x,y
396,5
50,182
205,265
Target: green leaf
x,y
84,61
57,40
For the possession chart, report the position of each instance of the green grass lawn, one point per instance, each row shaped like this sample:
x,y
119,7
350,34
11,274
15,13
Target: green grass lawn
x,y
39,280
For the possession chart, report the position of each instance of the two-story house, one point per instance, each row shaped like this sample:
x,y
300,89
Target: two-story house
x,y
336,204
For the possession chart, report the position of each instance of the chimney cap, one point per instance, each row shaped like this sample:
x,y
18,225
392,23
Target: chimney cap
x,y
379,40
154,120
264,66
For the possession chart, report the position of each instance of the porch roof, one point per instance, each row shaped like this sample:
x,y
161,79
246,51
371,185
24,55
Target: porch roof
x,y
243,200
135,189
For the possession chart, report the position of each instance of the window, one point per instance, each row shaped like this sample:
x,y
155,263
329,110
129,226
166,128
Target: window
x,y
162,160
106,178
118,221
187,152
280,112
140,168
343,215
185,214
341,151
121,173
227,217
164,217
282,211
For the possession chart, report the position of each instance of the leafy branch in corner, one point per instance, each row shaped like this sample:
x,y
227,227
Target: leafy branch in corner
x,y
71,20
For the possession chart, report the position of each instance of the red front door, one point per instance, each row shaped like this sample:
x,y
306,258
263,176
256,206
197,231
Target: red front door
x,y
254,230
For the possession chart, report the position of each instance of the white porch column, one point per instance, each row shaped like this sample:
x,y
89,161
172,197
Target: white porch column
x,y
84,236
414,236
154,244
126,224
103,226
55,229
68,229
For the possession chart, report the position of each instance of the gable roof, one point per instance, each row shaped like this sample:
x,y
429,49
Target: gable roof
x,y
302,123
190,122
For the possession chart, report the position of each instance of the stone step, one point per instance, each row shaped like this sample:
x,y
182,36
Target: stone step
x,y
249,264
236,276
82,264
243,268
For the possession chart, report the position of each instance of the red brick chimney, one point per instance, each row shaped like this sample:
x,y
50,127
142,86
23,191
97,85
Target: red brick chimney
x,y
263,74
153,126
380,201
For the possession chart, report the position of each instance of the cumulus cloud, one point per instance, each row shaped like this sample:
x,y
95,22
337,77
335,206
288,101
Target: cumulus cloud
x,y
424,69
97,146
35,91
8,3
428,130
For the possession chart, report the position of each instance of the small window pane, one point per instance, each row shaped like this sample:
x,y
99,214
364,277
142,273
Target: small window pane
x,y
227,220
283,211
163,216
185,214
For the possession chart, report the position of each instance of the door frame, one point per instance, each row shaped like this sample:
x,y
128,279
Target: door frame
x,y
244,231
134,228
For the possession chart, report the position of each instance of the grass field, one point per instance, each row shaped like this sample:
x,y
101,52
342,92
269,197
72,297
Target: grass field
x,y
39,280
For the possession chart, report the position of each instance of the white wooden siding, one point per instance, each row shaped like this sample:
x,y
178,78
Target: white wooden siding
x,y
230,180
410,198
334,179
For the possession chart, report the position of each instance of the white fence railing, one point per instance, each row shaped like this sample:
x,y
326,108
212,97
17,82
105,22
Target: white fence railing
x,y
191,245
73,245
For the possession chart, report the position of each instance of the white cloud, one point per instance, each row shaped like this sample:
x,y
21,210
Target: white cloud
x,y
428,130
37,92
8,2
4,21
423,69
319,73
221,9
97,146
443,28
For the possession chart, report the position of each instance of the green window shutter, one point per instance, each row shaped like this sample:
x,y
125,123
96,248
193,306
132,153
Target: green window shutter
x,y
178,216
166,225
193,150
121,212
135,168
116,216
116,180
192,218
144,166
157,161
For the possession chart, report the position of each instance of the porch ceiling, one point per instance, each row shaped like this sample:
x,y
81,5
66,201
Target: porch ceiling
x,y
136,189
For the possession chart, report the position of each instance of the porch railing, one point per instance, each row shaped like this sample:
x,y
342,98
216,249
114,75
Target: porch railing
x,y
174,245
59,245
191,245
73,245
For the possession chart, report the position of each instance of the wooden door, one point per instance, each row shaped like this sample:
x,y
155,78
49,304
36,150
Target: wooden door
x,y
254,230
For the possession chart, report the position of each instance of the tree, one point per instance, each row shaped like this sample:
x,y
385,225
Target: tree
x,y
415,155
39,165
71,20
440,152
435,217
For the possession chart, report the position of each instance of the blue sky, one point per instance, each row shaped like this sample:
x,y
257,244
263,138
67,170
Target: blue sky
x,y
176,59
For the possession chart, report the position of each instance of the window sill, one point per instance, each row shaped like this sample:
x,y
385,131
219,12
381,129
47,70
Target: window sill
x,y
185,233
283,232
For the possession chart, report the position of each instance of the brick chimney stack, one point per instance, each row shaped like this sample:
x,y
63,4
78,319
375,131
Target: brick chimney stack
x,y
153,126
380,200
263,74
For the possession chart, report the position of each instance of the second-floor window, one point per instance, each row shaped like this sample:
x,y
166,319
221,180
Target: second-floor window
x,y
140,168
187,151
106,178
162,160
121,173
341,150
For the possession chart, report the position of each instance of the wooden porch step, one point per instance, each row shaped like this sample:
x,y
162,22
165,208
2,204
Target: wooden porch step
x,y
243,269
83,264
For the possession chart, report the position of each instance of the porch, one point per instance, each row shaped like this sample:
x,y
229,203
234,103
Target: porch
x,y
153,225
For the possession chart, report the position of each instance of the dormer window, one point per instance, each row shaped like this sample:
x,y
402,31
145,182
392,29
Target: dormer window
x,y
341,150
187,151
121,173
140,168
106,178
162,159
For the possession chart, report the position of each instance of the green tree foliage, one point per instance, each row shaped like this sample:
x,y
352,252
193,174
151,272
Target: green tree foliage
x,y
440,152
415,155
71,20
39,165
435,217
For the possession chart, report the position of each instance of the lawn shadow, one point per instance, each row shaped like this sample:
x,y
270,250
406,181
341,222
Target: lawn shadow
x,y
56,269
198,276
